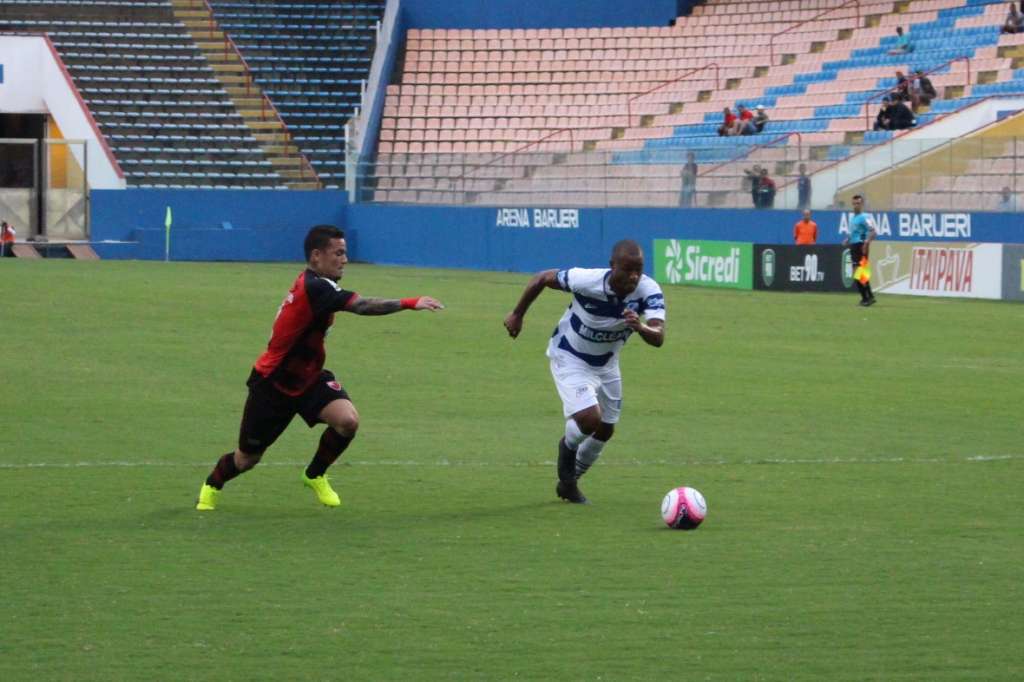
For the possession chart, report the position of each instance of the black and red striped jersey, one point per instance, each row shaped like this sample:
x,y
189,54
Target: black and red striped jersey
x,y
295,354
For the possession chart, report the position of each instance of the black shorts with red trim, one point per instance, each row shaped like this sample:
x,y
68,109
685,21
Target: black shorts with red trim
x,y
268,411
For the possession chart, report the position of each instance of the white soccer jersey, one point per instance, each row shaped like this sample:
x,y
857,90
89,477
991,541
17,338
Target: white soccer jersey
x,y
592,328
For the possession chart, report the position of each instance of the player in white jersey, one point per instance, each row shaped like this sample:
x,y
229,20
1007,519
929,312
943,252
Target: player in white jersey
x,y
608,306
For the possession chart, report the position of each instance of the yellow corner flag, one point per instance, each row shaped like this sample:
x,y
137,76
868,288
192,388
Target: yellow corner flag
x,y
863,272
167,235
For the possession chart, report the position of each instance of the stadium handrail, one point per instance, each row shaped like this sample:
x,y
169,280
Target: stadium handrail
x,y
265,102
771,41
900,133
572,144
685,75
885,91
107,151
764,145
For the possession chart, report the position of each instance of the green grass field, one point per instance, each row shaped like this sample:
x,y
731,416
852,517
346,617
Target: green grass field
x,y
863,470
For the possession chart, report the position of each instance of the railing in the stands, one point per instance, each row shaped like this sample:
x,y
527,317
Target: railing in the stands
x,y
774,142
547,139
816,17
910,80
687,75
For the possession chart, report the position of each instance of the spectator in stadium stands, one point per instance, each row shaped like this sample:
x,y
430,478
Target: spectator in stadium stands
x,y
894,116
1014,20
902,90
765,191
7,237
745,125
903,43
753,180
1007,201
921,90
882,121
760,118
728,123
805,231
688,188
900,116
803,188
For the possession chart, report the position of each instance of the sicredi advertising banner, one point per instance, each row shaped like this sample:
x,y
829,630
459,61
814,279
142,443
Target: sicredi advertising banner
x,y
1013,272
822,267
960,270
704,263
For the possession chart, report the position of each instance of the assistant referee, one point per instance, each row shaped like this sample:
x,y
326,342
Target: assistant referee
x,y
862,233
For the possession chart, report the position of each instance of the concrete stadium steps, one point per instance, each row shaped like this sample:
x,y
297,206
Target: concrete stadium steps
x,y
149,87
246,96
310,60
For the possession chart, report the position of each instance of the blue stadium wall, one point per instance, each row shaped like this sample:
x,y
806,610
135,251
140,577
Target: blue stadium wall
x,y
219,225
270,226
522,240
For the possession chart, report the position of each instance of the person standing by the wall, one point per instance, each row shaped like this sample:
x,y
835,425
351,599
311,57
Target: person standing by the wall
x,y
7,237
803,188
805,232
688,181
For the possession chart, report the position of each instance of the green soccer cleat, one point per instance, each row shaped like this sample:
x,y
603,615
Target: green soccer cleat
x,y
324,492
207,498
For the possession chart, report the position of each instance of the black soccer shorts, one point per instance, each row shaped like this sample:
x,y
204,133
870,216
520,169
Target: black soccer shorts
x,y
856,253
268,411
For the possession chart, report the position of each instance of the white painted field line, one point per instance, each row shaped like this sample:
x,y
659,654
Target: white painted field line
x,y
607,462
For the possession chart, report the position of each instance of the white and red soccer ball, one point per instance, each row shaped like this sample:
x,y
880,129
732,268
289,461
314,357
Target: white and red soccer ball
x,y
683,508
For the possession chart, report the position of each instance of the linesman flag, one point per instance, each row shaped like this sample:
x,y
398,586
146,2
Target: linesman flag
x,y
863,272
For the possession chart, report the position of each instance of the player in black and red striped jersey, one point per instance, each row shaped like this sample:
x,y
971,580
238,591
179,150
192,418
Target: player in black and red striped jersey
x,y
289,377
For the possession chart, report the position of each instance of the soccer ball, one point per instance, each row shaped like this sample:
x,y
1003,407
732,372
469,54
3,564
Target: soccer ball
x,y
683,508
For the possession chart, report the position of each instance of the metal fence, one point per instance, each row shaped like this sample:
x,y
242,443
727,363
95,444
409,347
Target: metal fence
x,y
977,174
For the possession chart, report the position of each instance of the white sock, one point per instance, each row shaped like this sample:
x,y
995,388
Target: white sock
x,y
573,435
587,454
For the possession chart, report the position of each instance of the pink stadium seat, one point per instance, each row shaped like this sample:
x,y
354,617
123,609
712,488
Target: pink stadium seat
x,y
485,92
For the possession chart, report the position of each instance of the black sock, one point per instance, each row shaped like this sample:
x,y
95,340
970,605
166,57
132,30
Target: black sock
x,y
862,290
867,288
223,472
332,444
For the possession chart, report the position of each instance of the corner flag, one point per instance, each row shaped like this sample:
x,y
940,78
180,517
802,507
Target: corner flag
x,y
167,235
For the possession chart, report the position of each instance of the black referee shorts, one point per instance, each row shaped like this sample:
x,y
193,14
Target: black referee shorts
x,y
856,253
268,411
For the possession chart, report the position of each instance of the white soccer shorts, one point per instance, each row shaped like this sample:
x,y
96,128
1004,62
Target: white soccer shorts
x,y
581,386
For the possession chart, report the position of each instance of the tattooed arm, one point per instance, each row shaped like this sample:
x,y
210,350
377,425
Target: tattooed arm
x,y
386,306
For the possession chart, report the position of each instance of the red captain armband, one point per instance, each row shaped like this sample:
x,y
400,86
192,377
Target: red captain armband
x,y
409,303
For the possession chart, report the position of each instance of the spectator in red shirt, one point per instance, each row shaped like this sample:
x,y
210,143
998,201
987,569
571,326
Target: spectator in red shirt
x,y
765,195
729,123
7,238
745,126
